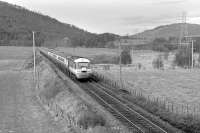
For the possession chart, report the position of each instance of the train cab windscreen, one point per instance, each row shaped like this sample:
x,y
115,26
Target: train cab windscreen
x,y
81,65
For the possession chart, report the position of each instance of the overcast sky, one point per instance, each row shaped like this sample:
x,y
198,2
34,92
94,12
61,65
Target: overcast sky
x,y
116,16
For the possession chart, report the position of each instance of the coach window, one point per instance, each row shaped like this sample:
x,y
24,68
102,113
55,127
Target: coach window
x,y
70,63
62,59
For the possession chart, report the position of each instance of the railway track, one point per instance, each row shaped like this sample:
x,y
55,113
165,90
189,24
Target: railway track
x,y
132,119
118,107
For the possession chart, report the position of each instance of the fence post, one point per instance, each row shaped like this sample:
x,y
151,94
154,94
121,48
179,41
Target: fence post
x,y
194,111
164,104
168,106
182,109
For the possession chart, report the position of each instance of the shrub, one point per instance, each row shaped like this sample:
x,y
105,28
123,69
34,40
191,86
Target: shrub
x,y
183,57
90,119
158,63
125,57
160,48
100,129
139,66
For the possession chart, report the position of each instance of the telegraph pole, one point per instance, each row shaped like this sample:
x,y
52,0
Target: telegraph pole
x,y
34,69
192,53
192,49
120,64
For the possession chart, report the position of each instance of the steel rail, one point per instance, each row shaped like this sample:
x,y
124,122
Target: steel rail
x,y
102,89
127,119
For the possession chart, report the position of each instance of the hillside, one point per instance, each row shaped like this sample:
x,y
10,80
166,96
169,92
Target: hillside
x,y
17,24
167,31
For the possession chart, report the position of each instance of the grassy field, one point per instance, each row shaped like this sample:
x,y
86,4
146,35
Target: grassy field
x,y
96,55
12,53
89,52
19,110
177,86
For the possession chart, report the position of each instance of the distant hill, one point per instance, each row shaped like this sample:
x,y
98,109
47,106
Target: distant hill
x,y
17,24
167,31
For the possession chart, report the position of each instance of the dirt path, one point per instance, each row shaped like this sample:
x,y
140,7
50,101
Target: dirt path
x,y
19,110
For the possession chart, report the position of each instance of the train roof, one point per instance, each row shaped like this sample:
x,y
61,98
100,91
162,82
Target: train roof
x,y
70,57
78,59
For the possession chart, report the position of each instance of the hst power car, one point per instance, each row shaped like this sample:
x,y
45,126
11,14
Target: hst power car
x,y
80,67
77,66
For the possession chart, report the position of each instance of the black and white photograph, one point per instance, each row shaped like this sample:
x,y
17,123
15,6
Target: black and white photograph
x,y
99,66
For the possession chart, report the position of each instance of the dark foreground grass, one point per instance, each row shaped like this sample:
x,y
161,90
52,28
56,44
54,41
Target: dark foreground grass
x,y
89,119
100,129
185,123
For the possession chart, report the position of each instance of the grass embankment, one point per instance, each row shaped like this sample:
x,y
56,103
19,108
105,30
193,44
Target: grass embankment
x,y
186,123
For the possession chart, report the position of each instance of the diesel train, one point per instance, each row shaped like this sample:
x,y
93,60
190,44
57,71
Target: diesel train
x,y
79,67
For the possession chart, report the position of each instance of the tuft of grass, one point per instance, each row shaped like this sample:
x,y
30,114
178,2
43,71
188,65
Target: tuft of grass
x,y
52,88
89,119
29,64
100,129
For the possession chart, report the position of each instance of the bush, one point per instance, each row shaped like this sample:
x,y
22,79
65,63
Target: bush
x,y
160,48
158,63
183,57
139,66
125,57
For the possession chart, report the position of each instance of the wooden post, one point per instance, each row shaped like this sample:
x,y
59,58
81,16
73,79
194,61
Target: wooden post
x,y
34,69
182,109
120,62
192,54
